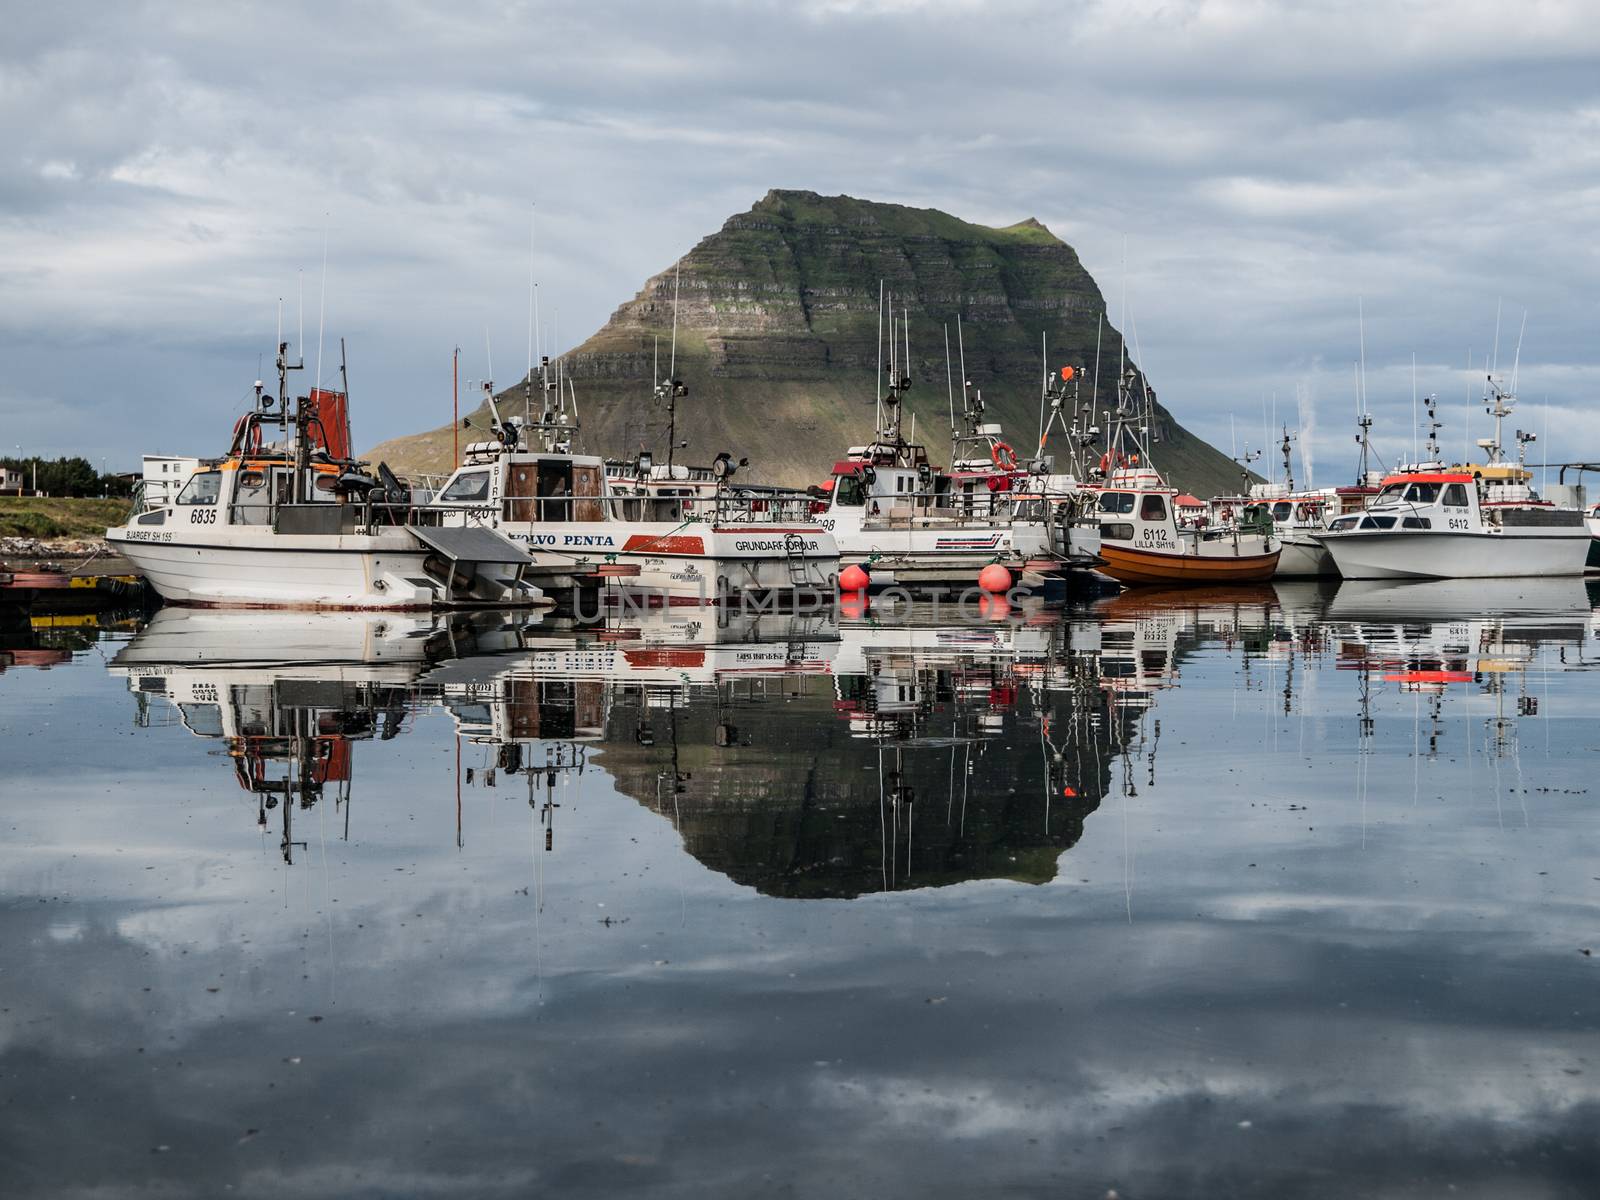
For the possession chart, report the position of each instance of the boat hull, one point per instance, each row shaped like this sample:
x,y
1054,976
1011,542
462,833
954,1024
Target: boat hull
x,y
1443,554
1140,567
256,568
687,563
1300,556
952,557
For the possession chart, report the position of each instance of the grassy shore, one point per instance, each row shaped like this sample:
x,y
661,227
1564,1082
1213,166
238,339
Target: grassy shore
x,y
57,517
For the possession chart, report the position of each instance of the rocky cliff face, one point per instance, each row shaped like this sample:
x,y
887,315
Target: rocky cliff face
x,y
778,316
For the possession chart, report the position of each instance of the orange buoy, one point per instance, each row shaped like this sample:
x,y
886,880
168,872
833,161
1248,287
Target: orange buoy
x,y
854,578
995,578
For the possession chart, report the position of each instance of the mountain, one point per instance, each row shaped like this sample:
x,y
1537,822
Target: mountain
x,y
778,316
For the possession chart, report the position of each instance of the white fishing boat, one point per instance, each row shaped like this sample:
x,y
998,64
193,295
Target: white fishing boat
x,y
645,535
1476,521
910,524
1293,515
1294,520
298,524
1431,524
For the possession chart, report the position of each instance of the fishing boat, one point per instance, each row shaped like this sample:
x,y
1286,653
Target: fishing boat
x,y
1294,514
649,536
1475,521
1431,524
1140,536
297,523
911,524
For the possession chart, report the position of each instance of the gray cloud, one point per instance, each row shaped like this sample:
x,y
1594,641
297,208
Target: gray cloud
x,y
172,171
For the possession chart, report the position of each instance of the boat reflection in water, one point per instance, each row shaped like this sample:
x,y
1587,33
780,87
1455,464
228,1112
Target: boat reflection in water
x,y
809,759
289,693
804,756
791,754
1393,634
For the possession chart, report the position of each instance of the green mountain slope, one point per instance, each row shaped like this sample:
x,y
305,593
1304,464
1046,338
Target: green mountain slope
x,y
778,319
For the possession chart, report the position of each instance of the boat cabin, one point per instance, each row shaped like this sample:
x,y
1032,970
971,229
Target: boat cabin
x,y
1417,501
1137,507
530,487
256,490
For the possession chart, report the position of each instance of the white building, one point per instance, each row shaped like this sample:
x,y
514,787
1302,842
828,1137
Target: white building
x,y
165,475
10,480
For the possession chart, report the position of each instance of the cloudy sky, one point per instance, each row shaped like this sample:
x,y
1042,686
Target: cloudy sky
x,y
171,171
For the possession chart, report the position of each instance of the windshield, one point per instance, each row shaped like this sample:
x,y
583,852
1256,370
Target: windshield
x,y
202,488
1423,493
469,485
848,492
1116,502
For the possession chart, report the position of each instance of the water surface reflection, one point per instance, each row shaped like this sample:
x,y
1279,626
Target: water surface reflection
x,y
1264,892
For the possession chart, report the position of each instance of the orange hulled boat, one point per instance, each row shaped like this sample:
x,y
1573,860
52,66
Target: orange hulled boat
x,y
1140,537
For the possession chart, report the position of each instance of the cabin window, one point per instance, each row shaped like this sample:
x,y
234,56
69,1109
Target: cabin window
x,y
1282,510
469,485
1455,496
325,483
1116,502
554,488
1152,508
1379,523
1416,523
203,488
252,499
1423,493
1343,523
848,492
1120,532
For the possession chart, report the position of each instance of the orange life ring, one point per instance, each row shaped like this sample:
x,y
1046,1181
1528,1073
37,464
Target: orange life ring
x,y
1004,456
246,435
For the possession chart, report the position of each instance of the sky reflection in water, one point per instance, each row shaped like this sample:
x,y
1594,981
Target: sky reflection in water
x,y
1246,893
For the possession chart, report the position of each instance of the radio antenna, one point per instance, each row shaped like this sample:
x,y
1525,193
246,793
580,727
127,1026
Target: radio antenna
x,y
677,274
949,380
322,302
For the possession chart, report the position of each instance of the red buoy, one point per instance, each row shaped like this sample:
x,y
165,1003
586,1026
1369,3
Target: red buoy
x,y
854,579
995,578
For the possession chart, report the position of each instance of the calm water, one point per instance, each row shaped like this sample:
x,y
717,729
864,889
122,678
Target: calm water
x,y
1256,893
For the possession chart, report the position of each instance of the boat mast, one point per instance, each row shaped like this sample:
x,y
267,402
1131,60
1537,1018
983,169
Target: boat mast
x,y
1498,403
302,446
677,388
1430,405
